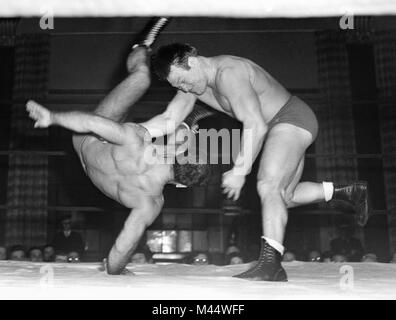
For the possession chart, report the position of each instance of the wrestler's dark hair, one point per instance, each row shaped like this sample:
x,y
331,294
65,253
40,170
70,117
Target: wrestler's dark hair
x,y
191,174
172,54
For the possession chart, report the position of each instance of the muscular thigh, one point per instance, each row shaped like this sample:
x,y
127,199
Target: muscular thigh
x,y
282,159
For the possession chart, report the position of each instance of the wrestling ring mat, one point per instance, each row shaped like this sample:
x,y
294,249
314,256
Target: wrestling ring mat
x,y
314,281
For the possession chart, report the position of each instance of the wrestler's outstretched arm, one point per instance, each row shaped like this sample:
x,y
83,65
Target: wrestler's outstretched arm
x,y
236,88
138,220
80,122
168,121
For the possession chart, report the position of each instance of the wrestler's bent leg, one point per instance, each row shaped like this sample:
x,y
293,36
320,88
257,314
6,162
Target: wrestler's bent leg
x,y
280,168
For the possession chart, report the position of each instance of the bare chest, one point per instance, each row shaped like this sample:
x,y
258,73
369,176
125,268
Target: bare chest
x,y
217,101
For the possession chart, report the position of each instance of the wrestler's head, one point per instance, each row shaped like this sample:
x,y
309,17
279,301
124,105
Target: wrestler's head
x,y
192,168
180,66
192,174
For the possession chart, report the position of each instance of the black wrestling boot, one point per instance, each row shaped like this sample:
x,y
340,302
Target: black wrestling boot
x,y
152,33
357,196
268,267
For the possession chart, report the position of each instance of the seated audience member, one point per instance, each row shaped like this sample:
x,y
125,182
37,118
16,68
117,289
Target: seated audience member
x,y
347,245
35,254
3,253
48,253
327,256
17,253
288,256
339,258
68,240
232,249
61,257
142,255
314,256
234,258
369,257
73,257
200,259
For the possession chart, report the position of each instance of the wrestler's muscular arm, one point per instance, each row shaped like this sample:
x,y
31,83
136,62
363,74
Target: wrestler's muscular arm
x,y
167,122
234,85
139,219
80,122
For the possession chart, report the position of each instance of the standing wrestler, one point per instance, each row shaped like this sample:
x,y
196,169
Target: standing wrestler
x,y
120,158
282,122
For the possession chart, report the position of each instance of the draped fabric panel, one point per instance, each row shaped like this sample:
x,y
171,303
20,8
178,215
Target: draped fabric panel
x,y
336,123
335,116
26,218
7,32
385,60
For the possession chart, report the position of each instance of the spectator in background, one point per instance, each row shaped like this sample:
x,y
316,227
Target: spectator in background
x,y
200,259
289,256
73,257
61,257
68,240
393,260
234,258
232,249
327,256
3,253
347,245
339,258
17,253
142,255
369,257
49,253
314,256
35,254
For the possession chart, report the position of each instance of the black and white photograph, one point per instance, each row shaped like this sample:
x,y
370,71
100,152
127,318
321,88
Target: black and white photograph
x,y
178,151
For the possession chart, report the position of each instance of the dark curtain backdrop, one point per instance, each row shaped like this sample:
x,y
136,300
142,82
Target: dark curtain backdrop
x,y
385,60
336,133
335,116
26,218
7,32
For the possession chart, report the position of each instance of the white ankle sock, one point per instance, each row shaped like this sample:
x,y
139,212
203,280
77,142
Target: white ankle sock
x,y
275,244
328,189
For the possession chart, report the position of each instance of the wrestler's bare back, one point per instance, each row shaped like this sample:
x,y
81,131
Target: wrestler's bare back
x,y
271,94
121,172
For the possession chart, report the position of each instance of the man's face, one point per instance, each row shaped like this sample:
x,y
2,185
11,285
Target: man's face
x,y
73,257
48,253
236,260
188,80
66,224
314,256
36,255
201,259
3,253
138,258
17,255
